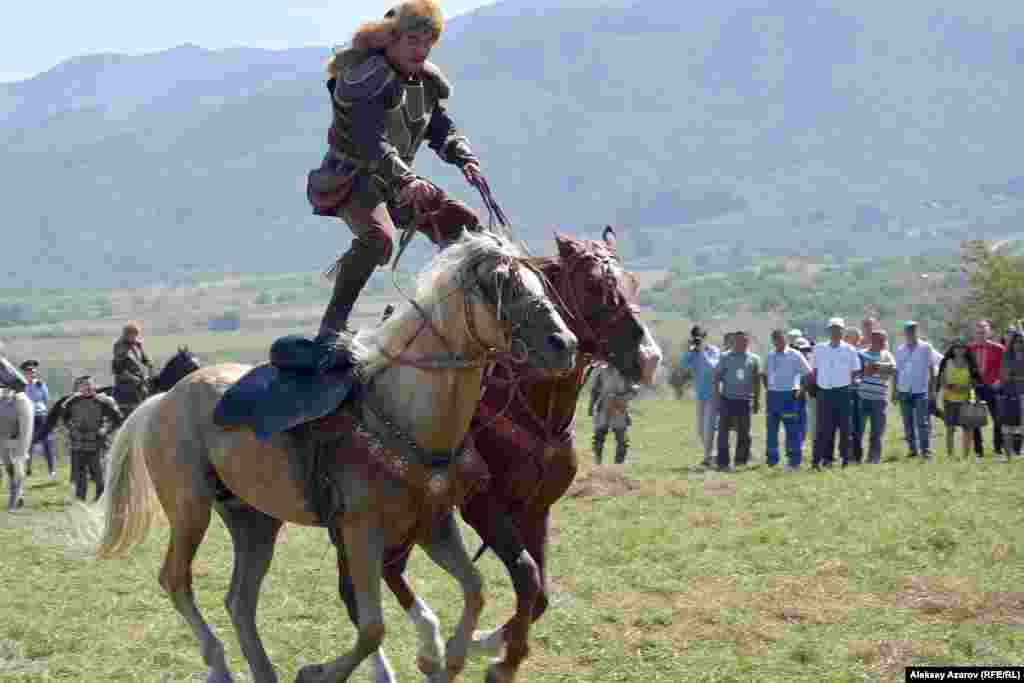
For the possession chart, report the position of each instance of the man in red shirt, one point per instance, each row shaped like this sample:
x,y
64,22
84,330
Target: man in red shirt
x,y
989,357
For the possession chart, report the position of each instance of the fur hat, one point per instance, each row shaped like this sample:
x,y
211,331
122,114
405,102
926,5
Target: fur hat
x,y
409,15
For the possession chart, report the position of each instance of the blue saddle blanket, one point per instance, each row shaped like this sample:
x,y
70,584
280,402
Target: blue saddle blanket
x,y
270,400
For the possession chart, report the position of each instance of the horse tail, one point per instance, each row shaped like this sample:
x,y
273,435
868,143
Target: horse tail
x,y
129,503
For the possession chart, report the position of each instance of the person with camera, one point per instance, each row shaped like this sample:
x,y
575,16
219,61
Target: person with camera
x,y
701,359
784,369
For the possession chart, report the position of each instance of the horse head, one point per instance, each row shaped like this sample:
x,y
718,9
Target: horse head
x,y
181,364
600,299
482,297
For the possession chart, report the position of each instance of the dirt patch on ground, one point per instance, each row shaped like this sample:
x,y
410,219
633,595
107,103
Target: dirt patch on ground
x,y
720,487
889,658
957,599
604,482
611,482
708,609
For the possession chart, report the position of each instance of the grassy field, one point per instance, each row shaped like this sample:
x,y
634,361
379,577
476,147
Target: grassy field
x,y
659,571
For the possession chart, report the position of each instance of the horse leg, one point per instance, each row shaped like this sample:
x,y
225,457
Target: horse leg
x,y
428,626
253,534
533,526
364,552
448,551
382,670
492,520
533,522
187,531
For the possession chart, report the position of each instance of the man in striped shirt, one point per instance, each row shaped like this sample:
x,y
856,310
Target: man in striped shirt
x,y
879,366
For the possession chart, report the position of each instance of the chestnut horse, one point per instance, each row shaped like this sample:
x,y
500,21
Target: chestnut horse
x,y
423,369
537,419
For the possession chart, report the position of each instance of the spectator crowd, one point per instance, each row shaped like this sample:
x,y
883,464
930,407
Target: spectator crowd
x,y
834,397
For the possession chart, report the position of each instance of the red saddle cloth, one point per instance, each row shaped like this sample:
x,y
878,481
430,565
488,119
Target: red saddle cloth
x,y
438,482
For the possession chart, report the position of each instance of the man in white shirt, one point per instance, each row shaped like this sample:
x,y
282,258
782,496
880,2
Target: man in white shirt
x,y
784,367
836,365
914,388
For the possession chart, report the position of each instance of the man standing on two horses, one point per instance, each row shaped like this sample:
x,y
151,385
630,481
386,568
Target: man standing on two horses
x,y
90,417
387,99
609,404
132,369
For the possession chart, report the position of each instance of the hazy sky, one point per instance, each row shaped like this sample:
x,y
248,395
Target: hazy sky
x,y
36,35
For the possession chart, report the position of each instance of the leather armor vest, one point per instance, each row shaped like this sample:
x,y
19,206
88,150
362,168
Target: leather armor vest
x,y
411,102
85,418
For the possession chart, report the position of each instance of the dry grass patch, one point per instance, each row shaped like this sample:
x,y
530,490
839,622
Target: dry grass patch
x,y
889,658
944,599
823,598
604,482
1000,552
704,520
720,487
611,482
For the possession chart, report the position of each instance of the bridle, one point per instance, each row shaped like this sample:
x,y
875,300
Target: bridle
x,y
488,353
593,340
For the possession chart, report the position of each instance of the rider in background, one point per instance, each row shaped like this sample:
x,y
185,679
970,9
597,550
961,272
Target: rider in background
x,y
387,99
132,369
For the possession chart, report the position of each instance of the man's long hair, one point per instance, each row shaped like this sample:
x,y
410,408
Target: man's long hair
x,y
378,34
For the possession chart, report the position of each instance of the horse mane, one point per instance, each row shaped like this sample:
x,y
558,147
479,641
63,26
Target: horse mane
x,y
370,348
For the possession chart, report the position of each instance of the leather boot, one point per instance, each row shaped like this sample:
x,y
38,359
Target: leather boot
x,y
16,499
599,437
353,271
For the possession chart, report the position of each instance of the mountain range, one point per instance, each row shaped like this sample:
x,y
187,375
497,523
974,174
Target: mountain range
x,y
804,126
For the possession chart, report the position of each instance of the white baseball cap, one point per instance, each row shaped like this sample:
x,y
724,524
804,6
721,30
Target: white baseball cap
x,y
837,322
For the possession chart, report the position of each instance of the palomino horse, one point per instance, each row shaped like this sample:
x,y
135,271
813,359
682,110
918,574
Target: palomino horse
x,y
423,371
537,419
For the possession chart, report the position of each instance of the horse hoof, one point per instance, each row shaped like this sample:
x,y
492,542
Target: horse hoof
x,y
454,667
220,676
494,675
310,674
427,666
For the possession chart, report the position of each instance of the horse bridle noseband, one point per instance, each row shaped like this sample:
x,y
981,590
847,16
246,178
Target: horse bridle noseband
x,y
592,340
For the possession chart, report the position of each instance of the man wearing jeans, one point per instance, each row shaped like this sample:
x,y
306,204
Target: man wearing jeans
x,y
836,365
736,385
879,366
988,355
784,367
914,388
701,360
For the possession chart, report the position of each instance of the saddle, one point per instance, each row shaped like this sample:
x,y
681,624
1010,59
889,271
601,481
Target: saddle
x,y
269,400
323,414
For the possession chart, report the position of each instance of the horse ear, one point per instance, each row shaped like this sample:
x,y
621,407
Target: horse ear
x,y
609,236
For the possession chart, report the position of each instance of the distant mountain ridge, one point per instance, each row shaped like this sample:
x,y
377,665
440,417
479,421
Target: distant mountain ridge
x,y
691,126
